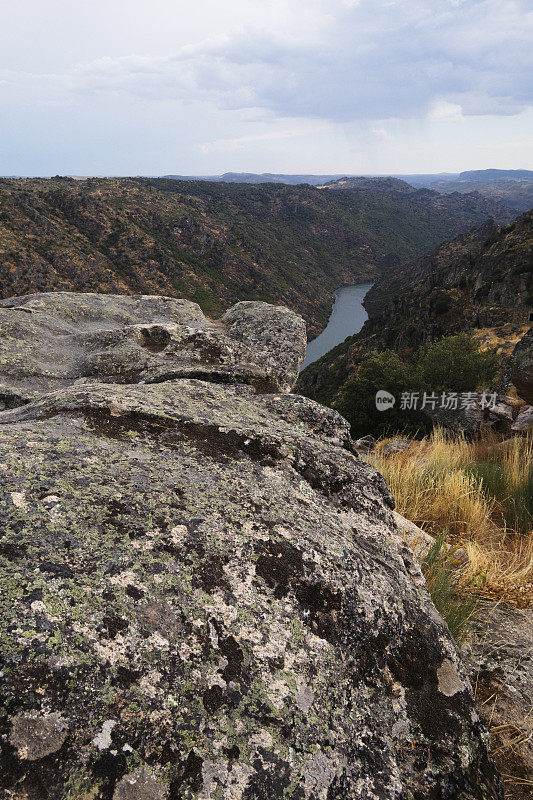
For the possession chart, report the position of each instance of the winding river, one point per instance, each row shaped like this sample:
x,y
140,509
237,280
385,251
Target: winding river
x,y
347,317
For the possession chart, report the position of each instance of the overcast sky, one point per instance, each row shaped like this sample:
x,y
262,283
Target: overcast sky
x,y
128,87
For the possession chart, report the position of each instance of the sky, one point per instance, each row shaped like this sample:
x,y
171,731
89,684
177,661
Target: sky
x,y
152,87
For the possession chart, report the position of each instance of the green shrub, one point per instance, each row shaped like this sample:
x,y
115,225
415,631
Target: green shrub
x,y
452,364
456,364
380,371
455,604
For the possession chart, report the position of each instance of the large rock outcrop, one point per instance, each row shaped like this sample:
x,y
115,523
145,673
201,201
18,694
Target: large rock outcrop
x,y
204,591
49,341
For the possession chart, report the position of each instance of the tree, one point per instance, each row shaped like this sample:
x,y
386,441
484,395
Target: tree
x,y
452,364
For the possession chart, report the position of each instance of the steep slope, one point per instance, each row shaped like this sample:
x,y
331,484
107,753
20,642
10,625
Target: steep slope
x,y
482,281
215,243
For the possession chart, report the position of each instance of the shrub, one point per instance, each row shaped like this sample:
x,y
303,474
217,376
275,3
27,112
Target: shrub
x,y
387,371
452,364
456,364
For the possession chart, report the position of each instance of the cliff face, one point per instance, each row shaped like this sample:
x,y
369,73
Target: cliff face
x,y
204,591
481,281
215,243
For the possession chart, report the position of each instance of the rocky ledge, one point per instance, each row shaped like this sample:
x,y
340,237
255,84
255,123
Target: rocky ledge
x,y
204,592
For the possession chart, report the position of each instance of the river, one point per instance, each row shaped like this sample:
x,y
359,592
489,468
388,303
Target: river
x,y
347,317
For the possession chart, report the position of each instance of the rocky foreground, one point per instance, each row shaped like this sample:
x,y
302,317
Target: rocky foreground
x,y
205,594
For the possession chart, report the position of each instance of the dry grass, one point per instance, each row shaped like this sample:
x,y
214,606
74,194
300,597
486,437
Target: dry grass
x,y
476,494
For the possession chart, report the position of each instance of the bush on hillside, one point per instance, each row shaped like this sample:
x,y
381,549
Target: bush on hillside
x,y
456,364
380,371
452,364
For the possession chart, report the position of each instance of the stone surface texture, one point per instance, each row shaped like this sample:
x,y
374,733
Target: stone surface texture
x,y
521,371
204,592
499,658
477,414
524,421
51,340
421,543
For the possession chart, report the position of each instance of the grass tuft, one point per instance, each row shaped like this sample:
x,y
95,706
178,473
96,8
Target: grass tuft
x,y
451,596
477,495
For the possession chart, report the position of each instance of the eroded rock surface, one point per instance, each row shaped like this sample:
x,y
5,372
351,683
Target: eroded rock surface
x,y
499,657
205,589
48,341
524,421
475,414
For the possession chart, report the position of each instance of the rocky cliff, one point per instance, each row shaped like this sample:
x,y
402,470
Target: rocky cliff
x,y
481,282
482,279
216,243
204,594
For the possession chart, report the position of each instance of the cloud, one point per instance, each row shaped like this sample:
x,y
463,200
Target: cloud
x,y
370,60
442,111
348,60
381,133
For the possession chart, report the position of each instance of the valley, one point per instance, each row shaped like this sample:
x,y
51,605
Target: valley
x,y
481,282
216,243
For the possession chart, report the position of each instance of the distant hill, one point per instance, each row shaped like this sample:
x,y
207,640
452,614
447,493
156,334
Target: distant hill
x,y
512,187
487,175
265,177
372,183
481,281
217,243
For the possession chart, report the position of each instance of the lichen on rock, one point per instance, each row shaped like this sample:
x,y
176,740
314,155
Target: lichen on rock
x,y
201,577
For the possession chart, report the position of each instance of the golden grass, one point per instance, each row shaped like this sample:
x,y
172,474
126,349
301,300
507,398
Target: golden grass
x,y
437,486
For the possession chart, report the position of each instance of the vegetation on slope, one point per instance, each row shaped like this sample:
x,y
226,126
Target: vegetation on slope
x,y
215,243
476,494
452,364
